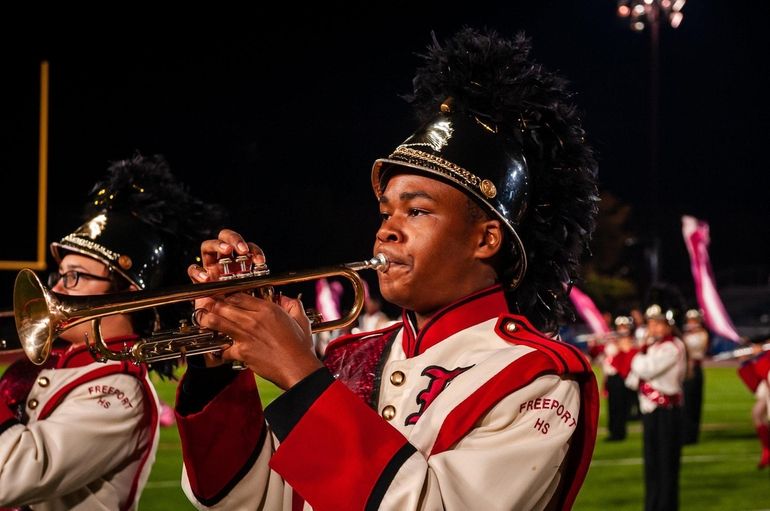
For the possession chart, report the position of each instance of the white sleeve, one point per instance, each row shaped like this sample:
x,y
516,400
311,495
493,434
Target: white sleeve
x,y
655,362
632,381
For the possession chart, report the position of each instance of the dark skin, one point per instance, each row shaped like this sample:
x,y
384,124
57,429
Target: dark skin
x,y
439,251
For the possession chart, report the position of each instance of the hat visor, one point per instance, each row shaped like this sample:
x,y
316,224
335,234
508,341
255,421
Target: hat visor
x,y
57,249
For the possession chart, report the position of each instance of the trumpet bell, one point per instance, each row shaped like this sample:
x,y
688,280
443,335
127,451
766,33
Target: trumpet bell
x,y
35,312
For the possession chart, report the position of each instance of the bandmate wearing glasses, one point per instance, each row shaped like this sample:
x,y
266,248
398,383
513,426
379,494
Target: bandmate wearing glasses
x,y
70,278
78,434
469,402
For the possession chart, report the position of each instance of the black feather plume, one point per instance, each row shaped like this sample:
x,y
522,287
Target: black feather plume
x,y
145,187
495,79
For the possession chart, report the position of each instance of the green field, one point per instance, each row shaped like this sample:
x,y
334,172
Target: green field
x,y
719,473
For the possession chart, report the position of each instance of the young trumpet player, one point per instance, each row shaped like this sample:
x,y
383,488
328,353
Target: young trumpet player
x,y
75,433
468,402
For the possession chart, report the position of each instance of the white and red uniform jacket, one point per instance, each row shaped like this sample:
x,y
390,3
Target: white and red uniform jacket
x,y
657,374
77,434
697,343
477,410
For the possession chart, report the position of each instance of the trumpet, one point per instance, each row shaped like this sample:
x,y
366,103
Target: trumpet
x,y
746,351
42,315
598,338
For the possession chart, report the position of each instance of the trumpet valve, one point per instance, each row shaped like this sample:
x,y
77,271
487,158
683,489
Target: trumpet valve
x,y
226,269
259,270
243,265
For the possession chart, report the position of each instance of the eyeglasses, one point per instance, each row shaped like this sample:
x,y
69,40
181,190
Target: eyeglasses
x,y
71,278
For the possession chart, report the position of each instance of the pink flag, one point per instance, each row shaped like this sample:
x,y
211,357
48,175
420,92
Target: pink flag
x,y
696,237
327,299
587,310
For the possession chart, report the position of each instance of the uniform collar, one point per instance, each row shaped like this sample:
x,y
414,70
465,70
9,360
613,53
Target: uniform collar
x,y
468,311
79,356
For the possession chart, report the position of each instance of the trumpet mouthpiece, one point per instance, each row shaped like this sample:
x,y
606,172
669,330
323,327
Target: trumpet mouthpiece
x,y
378,262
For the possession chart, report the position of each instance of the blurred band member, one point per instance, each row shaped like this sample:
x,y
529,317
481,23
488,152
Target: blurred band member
x,y
618,352
657,373
696,339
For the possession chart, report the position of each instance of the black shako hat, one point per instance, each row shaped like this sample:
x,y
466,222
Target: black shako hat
x,y
141,222
474,156
123,243
500,127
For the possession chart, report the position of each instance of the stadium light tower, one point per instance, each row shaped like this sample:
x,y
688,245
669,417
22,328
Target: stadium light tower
x,y
641,15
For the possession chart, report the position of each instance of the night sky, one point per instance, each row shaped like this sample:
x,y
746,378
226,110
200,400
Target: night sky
x,y
279,118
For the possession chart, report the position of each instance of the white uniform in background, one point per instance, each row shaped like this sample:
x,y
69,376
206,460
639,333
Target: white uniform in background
x,y
89,441
658,374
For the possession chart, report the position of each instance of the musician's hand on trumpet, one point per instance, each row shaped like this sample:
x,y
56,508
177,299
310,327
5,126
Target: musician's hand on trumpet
x,y
228,242
272,339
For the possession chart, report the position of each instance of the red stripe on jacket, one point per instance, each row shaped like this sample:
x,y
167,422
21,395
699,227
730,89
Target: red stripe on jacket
x,y
463,418
231,438
321,436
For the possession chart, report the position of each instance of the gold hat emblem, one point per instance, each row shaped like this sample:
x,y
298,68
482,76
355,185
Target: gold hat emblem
x,y
488,188
125,262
